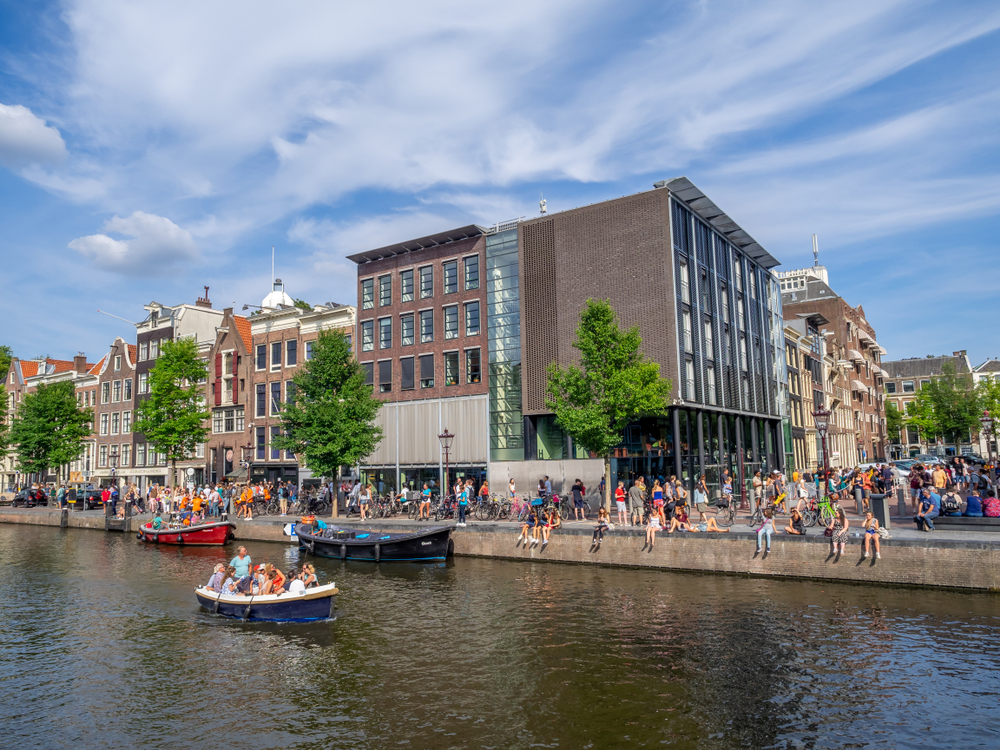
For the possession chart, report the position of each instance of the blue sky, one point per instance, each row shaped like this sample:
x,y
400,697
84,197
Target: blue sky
x,y
148,149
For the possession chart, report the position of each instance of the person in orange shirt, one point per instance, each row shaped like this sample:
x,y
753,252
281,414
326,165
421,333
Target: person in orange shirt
x,y
866,491
197,504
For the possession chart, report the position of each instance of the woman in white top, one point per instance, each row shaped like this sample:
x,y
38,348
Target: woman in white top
x,y
510,490
651,528
802,493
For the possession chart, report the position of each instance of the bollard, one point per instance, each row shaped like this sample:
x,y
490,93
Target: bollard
x,y
900,502
880,509
64,518
858,502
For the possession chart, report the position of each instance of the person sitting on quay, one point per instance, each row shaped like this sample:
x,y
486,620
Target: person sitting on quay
x,y
528,527
951,503
603,523
973,505
930,508
679,522
839,525
991,504
871,527
547,525
766,528
651,528
796,526
709,525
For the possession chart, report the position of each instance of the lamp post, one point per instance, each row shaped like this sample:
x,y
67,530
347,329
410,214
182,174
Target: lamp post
x,y
986,421
821,417
446,439
113,456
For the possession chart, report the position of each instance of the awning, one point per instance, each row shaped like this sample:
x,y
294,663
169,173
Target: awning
x,y
855,355
864,336
240,473
857,385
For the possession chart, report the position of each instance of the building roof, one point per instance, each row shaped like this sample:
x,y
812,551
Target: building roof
x,y
96,369
923,367
29,368
421,243
990,365
132,352
243,329
698,202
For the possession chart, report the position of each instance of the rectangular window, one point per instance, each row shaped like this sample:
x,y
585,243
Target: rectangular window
x,y
347,337
261,356
406,286
473,366
154,349
261,400
126,422
685,284
384,291
118,362
924,382
385,333
143,382
472,272
369,369
688,335
426,282
229,420
217,423
275,453
128,389
289,391
117,392
451,368
105,421
291,353
406,373
227,363
689,380
472,318
105,393
116,423
103,461
276,355
426,326
140,454
406,330
710,382
907,386
276,398
426,370
385,376
451,322
368,294
143,351
724,303
709,340
240,420
261,443
367,335
890,387
450,276
309,350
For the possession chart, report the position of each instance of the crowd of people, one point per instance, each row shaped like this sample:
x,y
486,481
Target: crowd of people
x,y
242,578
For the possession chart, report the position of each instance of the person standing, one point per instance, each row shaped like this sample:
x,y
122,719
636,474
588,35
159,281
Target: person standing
x,y
106,498
548,486
241,563
579,513
462,492
756,490
511,490
701,497
620,503
283,500
635,497
61,496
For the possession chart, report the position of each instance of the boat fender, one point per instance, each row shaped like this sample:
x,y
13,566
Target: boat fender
x,y
138,535
343,551
378,552
180,539
308,546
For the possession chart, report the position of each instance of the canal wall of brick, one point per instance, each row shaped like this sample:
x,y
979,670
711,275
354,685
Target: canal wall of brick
x,y
935,560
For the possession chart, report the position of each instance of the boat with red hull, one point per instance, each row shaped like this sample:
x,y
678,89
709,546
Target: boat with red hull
x,y
200,535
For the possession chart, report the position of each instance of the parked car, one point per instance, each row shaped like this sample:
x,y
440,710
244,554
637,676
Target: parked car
x,y
30,498
973,458
91,498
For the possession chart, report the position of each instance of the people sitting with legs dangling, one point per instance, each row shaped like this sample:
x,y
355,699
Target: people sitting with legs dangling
x,y
872,536
603,522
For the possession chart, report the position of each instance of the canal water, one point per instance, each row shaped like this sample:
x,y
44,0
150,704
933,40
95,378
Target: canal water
x,y
103,645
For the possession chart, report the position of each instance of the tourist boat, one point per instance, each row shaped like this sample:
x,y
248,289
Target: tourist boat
x,y
198,535
375,546
313,604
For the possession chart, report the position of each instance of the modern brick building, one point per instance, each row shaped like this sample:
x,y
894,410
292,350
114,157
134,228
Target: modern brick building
x,y
113,414
421,336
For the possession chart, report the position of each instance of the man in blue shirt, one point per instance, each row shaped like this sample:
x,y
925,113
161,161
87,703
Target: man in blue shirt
x,y
930,508
242,563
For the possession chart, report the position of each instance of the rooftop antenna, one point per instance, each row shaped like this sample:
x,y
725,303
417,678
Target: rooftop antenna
x,y
815,251
542,205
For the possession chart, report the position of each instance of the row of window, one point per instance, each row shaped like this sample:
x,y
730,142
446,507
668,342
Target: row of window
x,y
291,352
114,392
261,452
116,423
907,386
425,276
269,400
125,456
423,366
407,323
147,350
228,420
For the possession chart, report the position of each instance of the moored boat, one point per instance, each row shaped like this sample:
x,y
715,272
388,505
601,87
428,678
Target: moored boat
x,y
375,546
198,535
313,604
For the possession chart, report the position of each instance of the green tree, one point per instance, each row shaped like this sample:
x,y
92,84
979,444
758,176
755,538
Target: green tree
x,y
894,420
50,428
614,385
946,408
6,356
328,421
988,399
302,304
173,416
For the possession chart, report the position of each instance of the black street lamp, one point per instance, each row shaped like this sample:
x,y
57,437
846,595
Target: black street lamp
x,y
446,439
113,456
986,421
821,417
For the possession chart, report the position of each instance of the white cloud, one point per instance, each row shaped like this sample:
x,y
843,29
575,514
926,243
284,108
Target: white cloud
x,y
25,139
155,243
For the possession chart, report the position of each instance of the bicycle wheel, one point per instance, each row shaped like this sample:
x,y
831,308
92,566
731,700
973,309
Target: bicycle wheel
x,y
809,517
723,516
826,514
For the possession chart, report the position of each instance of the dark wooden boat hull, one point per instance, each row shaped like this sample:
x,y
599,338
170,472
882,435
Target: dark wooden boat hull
x,y
375,546
285,609
202,535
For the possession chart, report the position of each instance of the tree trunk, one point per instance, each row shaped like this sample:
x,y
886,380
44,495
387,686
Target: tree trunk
x,y
607,483
335,494
173,474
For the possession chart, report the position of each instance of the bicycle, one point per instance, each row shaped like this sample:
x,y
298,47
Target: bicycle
x,y
725,515
828,510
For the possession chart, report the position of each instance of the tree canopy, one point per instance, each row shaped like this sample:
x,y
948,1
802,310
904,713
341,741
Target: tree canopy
x,y
614,384
173,416
947,407
50,428
328,421
6,356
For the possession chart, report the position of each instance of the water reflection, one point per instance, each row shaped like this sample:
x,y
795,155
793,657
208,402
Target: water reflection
x,y
104,642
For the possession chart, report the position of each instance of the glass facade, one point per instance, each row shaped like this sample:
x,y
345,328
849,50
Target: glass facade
x,y
503,305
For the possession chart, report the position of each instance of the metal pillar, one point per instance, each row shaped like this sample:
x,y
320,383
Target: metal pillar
x,y
675,416
701,442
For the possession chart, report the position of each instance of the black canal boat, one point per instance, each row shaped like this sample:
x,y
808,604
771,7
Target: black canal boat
x,y
375,546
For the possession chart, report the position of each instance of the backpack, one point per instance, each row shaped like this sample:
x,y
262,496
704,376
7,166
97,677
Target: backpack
x,y
951,503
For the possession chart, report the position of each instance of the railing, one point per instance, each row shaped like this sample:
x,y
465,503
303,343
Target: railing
x,y
503,226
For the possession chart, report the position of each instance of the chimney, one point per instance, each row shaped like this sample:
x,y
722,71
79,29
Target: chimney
x,y
959,353
80,363
204,301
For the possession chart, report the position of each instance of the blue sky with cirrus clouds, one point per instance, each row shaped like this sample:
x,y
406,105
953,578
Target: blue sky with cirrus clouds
x,y
148,149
